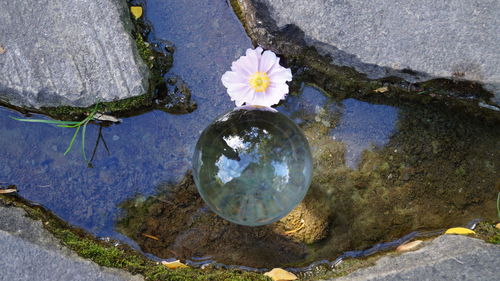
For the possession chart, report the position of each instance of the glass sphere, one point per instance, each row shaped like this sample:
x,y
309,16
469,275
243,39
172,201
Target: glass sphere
x,y
252,165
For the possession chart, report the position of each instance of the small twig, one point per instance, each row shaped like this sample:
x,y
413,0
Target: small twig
x,y
302,225
455,259
498,205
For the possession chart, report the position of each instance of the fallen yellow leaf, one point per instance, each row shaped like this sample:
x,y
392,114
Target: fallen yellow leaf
x,y
136,11
497,225
174,264
381,90
279,274
409,246
2,49
459,230
5,191
150,236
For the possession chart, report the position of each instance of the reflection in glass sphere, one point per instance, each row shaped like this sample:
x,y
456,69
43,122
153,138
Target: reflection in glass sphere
x,y
252,165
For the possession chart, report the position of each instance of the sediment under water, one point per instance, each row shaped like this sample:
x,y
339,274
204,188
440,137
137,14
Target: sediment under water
x,y
381,171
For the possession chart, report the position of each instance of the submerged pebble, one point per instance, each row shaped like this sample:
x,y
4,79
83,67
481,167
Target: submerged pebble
x,y
252,166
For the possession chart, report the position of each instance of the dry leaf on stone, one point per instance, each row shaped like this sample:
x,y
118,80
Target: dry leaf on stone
x,y
2,49
5,191
103,117
136,11
409,246
459,230
174,264
279,274
381,90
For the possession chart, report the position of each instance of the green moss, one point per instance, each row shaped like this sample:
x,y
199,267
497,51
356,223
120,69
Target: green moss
x,y
145,51
239,13
488,232
121,257
118,108
346,267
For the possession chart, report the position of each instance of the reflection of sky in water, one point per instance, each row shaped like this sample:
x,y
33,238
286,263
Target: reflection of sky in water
x,y
147,150
298,108
281,170
363,125
229,168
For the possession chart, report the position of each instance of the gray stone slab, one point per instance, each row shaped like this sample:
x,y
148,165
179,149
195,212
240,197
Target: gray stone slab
x,y
448,257
68,52
459,39
31,253
15,222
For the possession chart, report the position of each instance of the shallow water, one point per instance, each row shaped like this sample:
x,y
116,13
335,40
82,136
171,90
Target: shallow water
x,y
162,144
381,170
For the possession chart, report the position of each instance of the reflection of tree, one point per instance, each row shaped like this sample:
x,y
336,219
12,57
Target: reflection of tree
x,y
241,155
258,132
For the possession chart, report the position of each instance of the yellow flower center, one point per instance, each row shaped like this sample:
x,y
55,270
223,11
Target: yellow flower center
x,y
259,81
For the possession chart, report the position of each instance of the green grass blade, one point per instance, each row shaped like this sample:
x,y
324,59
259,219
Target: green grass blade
x,y
44,121
78,124
72,141
498,205
83,141
68,126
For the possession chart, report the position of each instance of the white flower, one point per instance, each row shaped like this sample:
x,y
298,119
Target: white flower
x,y
257,79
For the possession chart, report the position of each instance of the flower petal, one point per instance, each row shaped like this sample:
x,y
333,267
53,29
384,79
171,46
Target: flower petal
x,y
267,61
245,66
277,91
281,76
262,98
280,72
254,58
230,77
247,97
259,51
240,94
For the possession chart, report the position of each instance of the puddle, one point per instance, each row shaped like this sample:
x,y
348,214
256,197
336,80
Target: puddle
x,y
162,144
362,127
415,169
381,170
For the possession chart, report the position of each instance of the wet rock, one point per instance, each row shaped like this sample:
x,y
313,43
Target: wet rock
x,y
174,96
68,53
445,258
417,42
30,252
